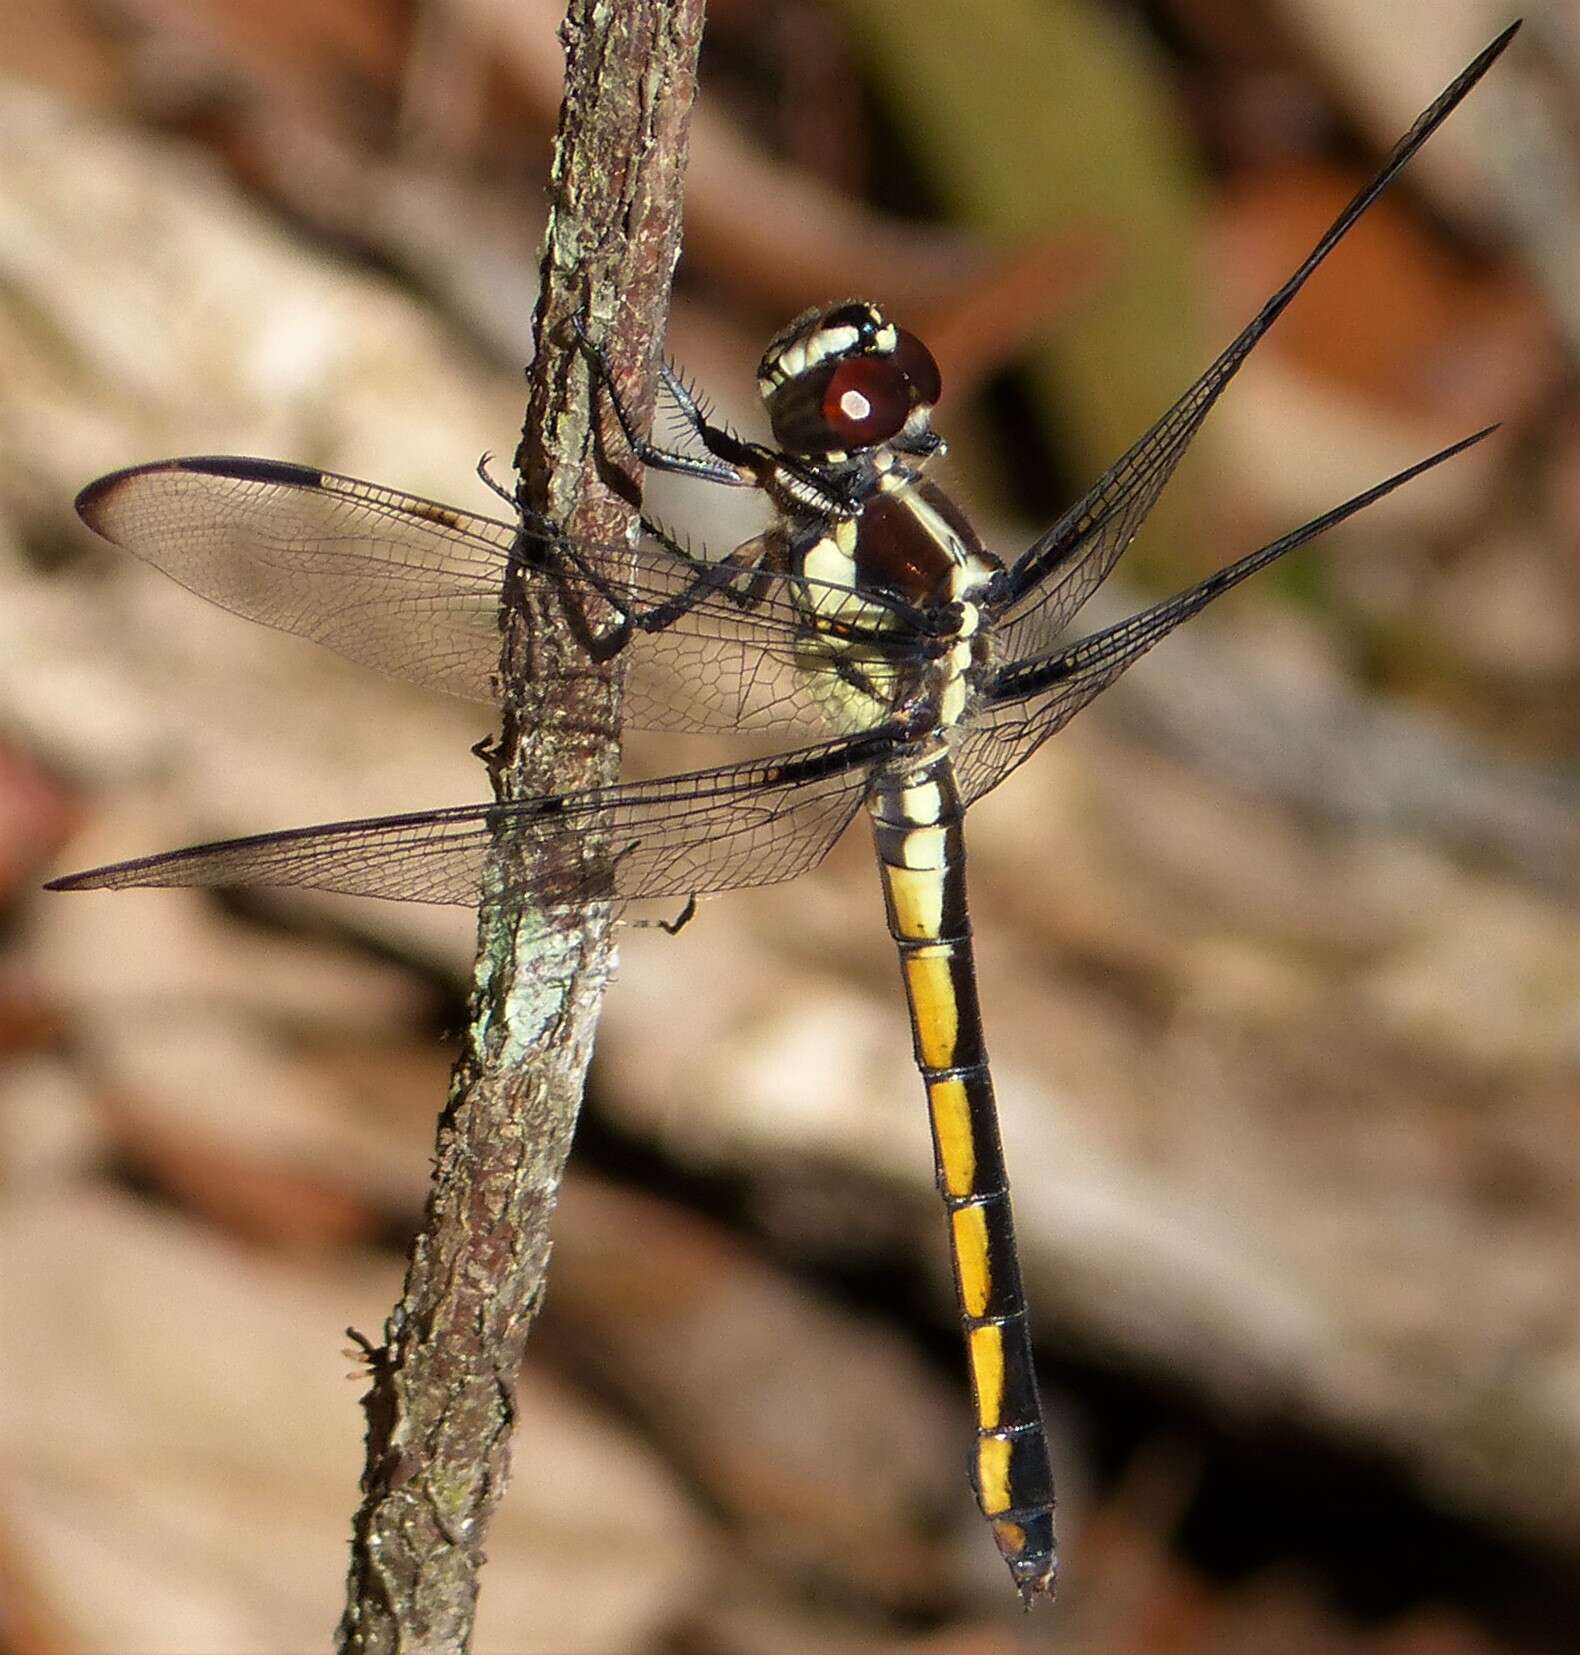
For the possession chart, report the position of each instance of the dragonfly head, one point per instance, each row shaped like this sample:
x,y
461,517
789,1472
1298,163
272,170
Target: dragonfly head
x,y
844,378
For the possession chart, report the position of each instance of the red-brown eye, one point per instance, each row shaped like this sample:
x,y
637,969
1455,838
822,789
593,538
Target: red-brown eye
x,y
866,400
915,361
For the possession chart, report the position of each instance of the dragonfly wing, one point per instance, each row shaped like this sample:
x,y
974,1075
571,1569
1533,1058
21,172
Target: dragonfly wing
x,y
405,585
411,587
710,830
1025,703
1061,570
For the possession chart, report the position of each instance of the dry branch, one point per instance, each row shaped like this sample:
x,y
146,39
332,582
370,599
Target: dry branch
x,y
441,1409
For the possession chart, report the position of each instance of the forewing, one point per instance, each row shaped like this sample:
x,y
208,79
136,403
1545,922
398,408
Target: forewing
x,y
1061,570
710,830
412,587
1028,701
394,582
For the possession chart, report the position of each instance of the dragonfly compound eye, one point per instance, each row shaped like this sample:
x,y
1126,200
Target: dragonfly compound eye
x,y
915,361
865,401
845,378
853,399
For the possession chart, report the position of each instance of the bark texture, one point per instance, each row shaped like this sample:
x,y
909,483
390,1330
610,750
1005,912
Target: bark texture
x,y
441,1409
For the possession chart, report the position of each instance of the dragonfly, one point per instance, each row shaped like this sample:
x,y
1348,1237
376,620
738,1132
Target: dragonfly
x,y
908,667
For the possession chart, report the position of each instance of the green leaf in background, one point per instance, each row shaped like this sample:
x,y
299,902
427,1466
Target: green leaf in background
x,y
1036,116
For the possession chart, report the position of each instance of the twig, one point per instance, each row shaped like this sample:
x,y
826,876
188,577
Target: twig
x,y
441,1409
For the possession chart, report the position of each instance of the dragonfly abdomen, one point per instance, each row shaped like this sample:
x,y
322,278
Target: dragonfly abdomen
x,y
916,819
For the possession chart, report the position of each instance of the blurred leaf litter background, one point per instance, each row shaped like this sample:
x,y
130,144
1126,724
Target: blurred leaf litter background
x,y
1278,942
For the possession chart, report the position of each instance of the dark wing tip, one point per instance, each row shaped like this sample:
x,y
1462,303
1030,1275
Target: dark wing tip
x,y
91,498
1488,55
90,502
140,870
75,882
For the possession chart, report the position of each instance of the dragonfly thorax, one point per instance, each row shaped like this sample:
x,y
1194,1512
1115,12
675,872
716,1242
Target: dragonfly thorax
x,y
907,542
850,398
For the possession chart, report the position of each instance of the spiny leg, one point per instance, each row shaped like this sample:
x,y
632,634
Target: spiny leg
x,y
735,464
493,484
706,579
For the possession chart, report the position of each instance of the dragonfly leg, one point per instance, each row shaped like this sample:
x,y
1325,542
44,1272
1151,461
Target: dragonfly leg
x,y
733,463
706,579
493,483
673,927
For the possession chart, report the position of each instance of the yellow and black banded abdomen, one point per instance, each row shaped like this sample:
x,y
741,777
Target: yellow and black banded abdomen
x,y
917,826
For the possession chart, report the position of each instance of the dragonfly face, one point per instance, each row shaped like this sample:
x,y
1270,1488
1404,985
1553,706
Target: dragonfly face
x,y
908,669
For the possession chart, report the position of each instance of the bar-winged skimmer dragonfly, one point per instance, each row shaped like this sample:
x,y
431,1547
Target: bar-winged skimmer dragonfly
x,y
869,625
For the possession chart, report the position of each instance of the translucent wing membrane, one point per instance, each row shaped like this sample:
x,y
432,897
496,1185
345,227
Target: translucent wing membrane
x,y
412,588
710,830
1025,703
1057,574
